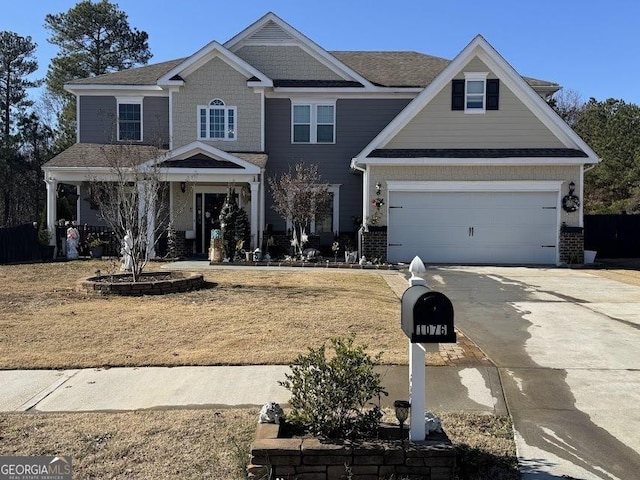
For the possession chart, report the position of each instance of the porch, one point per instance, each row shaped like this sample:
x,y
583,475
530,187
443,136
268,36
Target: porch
x,y
194,179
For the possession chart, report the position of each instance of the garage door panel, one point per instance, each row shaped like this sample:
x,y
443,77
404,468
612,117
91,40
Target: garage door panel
x,y
473,227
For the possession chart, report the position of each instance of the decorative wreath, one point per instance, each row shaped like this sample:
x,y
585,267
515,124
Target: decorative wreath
x,y
570,203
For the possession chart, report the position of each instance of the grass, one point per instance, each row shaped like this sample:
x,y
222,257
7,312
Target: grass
x,y
190,444
184,444
246,317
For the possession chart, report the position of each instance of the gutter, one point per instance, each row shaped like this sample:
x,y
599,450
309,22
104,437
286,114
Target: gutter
x,y
354,165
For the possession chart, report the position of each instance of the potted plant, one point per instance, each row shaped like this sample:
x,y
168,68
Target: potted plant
x,y
96,245
44,238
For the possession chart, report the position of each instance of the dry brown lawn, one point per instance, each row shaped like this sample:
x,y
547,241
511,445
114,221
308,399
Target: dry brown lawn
x,y
245,317
190,444
180,444
631,277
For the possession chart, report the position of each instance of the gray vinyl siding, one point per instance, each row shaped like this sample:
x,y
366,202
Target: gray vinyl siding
x,y
88,216
98,120
155,121
357,123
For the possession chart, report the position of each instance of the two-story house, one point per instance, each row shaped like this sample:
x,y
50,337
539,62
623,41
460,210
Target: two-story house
x,y
471,164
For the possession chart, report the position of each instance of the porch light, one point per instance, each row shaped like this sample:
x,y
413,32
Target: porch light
x,y
378,188
402,408
572,188
183,187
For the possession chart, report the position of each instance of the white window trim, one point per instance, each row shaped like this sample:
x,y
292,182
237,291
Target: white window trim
x,y
313,125
226,122
335,224
475,76
129,101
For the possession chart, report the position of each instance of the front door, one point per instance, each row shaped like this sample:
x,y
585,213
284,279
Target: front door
x,y
208,206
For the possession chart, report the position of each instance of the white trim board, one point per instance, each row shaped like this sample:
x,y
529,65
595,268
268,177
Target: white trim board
x,y
474,186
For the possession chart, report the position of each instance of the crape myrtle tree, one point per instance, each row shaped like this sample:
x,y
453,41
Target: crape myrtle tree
x,y
299,197
93,39
132,200
17,62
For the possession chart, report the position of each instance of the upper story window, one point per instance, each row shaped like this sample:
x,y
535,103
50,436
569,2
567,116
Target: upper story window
x,y
130,119
217,121
313,123
475,94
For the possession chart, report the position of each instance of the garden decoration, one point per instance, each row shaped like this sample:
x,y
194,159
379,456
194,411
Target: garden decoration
x,y
127,247
73,237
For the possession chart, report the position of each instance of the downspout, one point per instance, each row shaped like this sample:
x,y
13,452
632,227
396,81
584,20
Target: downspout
x,y
365,196
261,225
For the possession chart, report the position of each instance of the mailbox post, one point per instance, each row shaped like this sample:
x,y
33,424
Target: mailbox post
x,y
426,318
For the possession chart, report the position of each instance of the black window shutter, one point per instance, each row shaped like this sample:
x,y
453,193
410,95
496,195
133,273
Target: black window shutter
x,y
457,95
493,93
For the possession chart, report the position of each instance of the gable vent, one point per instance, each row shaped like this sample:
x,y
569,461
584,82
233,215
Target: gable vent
x,y
269,33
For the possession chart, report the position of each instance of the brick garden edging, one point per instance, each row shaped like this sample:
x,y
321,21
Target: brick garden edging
x,y
309,459
150,285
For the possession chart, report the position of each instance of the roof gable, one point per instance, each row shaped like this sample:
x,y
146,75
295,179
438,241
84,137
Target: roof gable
x,y
199,155
271,30
480,48
203,56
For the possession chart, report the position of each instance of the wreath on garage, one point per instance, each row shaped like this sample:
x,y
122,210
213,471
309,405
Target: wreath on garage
x,y
570,203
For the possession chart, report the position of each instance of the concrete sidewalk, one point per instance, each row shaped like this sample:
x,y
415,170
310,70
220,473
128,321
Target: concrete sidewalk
x,y
118,389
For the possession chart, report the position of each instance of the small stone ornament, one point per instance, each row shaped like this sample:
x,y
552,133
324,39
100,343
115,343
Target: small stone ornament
x,y
432,424
271,412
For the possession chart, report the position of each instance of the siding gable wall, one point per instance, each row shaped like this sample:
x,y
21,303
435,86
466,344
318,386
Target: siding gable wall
x,y
512,126
285,63
217,79
98,120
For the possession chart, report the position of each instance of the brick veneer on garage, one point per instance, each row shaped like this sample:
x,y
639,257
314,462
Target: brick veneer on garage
x,y
571,245
374,242
309,459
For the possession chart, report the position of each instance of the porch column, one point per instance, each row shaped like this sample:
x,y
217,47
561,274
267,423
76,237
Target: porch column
x,y
255,190
52,207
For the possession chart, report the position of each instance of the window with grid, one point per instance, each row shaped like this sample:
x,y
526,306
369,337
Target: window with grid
x,y
313,123
130,122
217,121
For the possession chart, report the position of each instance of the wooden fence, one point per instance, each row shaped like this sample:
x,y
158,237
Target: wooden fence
x,y
19,244
613,236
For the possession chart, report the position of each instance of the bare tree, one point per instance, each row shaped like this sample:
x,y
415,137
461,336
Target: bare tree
x,y
130,200
299,196
569,105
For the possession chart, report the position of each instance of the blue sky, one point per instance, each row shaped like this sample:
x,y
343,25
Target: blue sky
x,y
591,47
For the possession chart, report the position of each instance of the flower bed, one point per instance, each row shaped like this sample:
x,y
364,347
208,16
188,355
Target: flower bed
x,y
432,459
152,283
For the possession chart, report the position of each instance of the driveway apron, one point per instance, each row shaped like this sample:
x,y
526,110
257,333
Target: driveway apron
x,y
566,345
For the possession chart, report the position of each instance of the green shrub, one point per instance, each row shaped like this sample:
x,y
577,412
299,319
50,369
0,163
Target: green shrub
x,y
329,398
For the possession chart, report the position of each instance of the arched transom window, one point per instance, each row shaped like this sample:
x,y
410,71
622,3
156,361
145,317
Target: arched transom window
x,y
217,121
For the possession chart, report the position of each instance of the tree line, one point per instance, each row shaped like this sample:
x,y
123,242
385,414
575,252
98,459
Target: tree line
x,y
92,39
96,38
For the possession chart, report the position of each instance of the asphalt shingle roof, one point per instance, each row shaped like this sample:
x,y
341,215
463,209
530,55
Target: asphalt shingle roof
x,y
477,153
146,75
93,155
387,69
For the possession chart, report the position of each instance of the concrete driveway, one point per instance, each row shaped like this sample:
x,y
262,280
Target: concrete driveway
x,y
567,347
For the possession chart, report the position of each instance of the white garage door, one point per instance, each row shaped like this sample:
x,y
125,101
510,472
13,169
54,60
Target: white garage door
x,y
473,227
